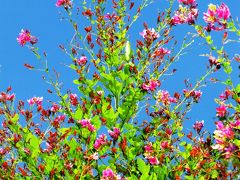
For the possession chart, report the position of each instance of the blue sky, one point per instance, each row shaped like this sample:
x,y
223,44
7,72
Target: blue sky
x,y
43,19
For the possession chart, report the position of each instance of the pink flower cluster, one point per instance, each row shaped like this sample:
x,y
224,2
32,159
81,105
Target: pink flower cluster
x,y
108,174
65,3
224,136
115,133
198,125
56,122
87,124
188,2
25,36
110,16
217,14
148,154
6,97
225,95
100,141
185,15
149,35
194,94
164,97
152,159
82,60
152,85
73,99
148,148
221,111
35,100
161,52
55,108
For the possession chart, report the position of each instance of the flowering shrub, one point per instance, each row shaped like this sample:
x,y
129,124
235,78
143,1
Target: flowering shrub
x,y
121,123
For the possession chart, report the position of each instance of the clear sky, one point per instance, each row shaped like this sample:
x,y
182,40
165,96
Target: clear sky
x,y
43,19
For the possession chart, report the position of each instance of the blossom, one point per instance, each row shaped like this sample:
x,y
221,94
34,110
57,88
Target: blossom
x,y
221,111
6,97
164,144
73,99
82,60
115,133
216,14
63,3
101,140
55,108
148,147
223,12
149,33
94,156
110,16
194,94
87,124
35,100
25,36
187,2
152,160
108,174
164,97
161,52
198,125
225,95
184,15
152,85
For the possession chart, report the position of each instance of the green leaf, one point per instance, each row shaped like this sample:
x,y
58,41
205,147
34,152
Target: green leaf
x,y
144,177
183,143
15,118
143,168
214,174
153,176
209,40
133,177
237,89
78,114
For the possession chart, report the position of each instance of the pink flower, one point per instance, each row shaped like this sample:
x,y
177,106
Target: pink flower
x,y
63,3
87,124
35,100
219,125
94,156
73,99
101,140
168,131
164,145
153,160
55,108
185,15
229,151
115,133
225,95
198,125
152,85
82,61
216,14
108,174
223,12
161,52
197,95
148,147
25,36
109,16
150,34
221,111
187,2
